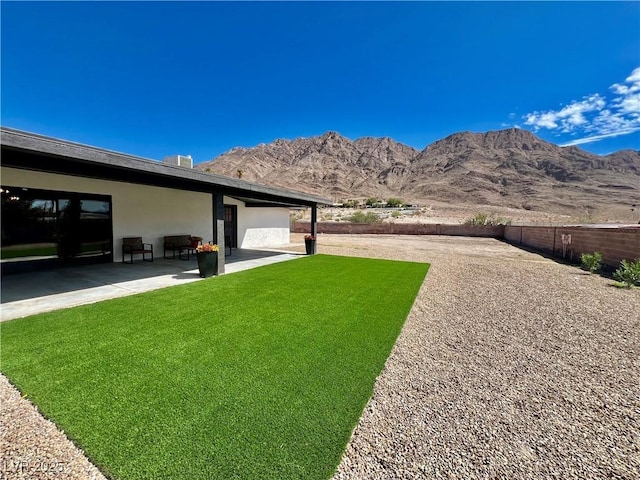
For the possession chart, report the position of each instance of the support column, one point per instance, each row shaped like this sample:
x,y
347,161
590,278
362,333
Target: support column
x,y
314,220
218,229
314,225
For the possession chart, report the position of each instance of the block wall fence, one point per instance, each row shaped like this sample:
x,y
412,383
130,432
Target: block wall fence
x,y
615,243
400,229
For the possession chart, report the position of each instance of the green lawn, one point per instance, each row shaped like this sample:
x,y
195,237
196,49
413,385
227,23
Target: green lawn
x,y
259,374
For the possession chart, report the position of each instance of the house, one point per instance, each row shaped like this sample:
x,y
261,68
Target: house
x,y
64,202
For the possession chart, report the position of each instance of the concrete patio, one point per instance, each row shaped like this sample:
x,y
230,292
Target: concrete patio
x,y
30,293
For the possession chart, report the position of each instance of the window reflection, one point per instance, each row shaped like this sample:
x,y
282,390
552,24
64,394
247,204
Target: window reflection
x,y
47,225
28,227
85,228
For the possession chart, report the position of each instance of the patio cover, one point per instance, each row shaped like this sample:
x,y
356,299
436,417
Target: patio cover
x,y
30,151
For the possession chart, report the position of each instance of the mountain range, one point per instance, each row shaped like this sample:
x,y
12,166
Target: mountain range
x,y
510,168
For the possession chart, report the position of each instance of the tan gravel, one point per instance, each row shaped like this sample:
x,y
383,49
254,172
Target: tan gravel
x,y
509,366
32,447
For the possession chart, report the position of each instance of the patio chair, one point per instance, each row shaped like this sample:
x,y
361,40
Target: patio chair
x,y
134,246
180,244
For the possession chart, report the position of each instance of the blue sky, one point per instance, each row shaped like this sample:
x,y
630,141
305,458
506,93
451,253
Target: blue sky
x,y
161,78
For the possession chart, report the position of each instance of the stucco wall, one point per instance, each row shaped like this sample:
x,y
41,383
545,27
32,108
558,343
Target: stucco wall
x,y
137,210
261,226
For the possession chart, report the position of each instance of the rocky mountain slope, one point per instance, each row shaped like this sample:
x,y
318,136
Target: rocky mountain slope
x,y
507,168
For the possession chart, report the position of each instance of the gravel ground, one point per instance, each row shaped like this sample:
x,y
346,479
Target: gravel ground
x,y
509,366
33,447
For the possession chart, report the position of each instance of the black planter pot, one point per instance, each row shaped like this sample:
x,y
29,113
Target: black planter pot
x,y
310,246
207,263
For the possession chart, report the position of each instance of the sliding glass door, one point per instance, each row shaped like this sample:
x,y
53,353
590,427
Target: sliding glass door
x,y
231,225
84,228
42,227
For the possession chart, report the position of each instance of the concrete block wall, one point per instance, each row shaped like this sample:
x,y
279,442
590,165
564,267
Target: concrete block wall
x,y
541,238
496,231
615,244
401,229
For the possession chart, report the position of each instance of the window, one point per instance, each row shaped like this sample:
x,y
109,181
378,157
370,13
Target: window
x,y
58,227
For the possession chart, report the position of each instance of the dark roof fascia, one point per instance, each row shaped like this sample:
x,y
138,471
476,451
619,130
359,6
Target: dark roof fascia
x,y
84,160
252,202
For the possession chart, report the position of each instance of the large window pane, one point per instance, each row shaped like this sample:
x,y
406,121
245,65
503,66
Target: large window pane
x,y
28,226
85,228
48,225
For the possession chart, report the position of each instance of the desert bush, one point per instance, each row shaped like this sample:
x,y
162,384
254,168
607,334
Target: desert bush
x,y
502,221
592,262
483,219
629,272
351,203
479,219
362,217
395,214
295,216
395,202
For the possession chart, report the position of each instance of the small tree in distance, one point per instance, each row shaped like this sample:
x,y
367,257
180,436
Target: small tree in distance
x,y
395,202
360,217
482,219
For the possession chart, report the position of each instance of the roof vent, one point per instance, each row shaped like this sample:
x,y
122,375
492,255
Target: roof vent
x,y
179,160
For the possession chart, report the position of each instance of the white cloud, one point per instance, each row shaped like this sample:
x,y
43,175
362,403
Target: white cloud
x,y
595,116
633,80
569,117
595,138
541,120
630,103
634,77
620,89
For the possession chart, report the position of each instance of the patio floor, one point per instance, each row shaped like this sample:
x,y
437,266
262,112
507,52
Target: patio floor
x,y
30,293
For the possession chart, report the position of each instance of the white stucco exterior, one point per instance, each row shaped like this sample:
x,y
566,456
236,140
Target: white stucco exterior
x,y
137,210
261,226
153,212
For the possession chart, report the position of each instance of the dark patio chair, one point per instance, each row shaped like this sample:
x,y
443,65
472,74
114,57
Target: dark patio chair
x,y
134,246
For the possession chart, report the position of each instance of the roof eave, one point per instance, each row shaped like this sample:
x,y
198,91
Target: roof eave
x,y
35,143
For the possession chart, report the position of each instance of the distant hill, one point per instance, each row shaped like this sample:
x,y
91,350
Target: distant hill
x,y
505,168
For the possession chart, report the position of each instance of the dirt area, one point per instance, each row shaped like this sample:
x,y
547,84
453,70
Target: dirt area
x,y
444,214
412,247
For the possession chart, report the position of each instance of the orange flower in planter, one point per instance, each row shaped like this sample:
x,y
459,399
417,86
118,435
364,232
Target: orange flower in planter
x,y
207,247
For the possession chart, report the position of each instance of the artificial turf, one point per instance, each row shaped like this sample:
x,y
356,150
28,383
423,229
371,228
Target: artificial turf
x,y
259,374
